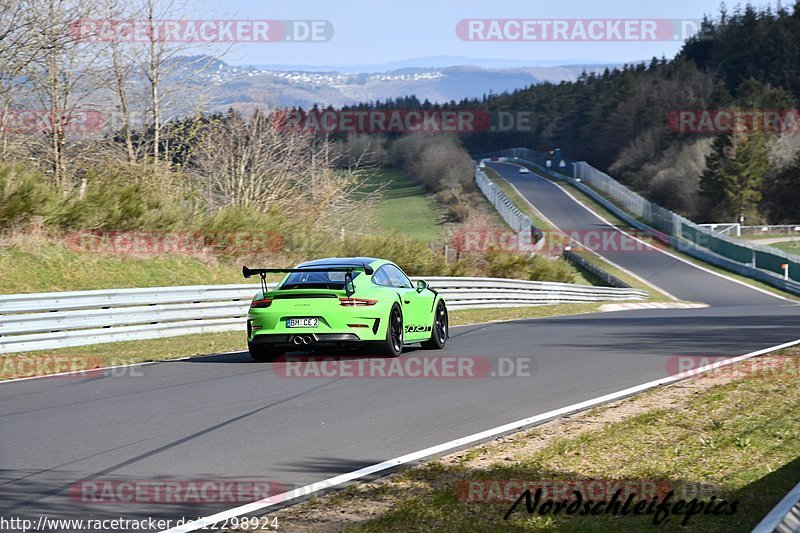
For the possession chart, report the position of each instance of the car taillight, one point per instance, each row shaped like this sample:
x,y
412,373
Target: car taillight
x,y
266,302
356,302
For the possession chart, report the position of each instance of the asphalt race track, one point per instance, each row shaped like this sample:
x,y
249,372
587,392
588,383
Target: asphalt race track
x,y
224,417
682,280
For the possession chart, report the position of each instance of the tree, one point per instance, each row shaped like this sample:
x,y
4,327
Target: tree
x,y
19,46
784,194
714,182
63,76
168,67
734,177
254,163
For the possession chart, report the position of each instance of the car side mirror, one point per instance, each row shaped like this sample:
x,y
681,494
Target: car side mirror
x,y
421,285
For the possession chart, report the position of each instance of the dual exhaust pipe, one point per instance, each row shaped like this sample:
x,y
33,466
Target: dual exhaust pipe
x,y
302,339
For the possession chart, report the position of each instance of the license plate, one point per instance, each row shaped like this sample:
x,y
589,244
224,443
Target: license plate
x,y
301,322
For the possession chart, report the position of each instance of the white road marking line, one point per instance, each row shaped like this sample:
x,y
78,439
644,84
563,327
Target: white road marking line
x,y
681,259
632,274
312,488
652,305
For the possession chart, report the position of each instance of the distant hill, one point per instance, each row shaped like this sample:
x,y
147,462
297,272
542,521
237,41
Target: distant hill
x,y
436,62
249,86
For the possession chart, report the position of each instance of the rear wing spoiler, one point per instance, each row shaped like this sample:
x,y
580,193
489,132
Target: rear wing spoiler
x,y
347,269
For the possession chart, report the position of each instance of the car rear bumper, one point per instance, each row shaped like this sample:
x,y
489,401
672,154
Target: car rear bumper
x,y
345,326
303,339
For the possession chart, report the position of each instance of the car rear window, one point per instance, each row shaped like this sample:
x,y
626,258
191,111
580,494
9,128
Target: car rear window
x,y
316,280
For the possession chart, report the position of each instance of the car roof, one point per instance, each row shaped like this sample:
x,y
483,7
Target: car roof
x,y
342,261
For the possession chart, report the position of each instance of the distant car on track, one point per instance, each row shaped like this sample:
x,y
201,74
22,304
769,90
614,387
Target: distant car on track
x,y
524,170
343,301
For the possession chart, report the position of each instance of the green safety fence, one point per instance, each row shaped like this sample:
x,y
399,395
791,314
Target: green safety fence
x,y
741,254
665,220
773,262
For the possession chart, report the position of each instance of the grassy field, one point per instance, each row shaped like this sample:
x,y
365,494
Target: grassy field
x,y
406,207
793,247
791,244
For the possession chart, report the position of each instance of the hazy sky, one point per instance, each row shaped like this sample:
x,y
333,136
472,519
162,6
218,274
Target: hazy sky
x,y
380,31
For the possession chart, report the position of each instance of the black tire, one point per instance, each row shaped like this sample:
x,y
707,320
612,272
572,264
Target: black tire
x,y
264,353
440,331
392,346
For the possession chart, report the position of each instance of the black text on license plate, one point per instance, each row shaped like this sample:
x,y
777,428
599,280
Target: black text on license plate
x,y
302,322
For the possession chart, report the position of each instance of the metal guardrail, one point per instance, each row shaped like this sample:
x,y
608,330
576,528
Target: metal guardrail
x,y
472,293
669,227
506,208
515,218
785,517
46,321
606,277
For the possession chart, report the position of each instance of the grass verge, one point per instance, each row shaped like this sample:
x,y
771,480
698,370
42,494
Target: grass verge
x,y
519,201
541,222
619,223
39,263
759,236
654,294
45,266
689,436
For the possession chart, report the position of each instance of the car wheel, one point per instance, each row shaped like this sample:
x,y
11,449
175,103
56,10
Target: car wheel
x,y
441,329
264,353
393,344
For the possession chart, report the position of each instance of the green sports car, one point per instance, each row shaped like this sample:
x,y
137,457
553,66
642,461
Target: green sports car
x,y
343,301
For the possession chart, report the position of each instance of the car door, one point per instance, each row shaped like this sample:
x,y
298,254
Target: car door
x,y
417,307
